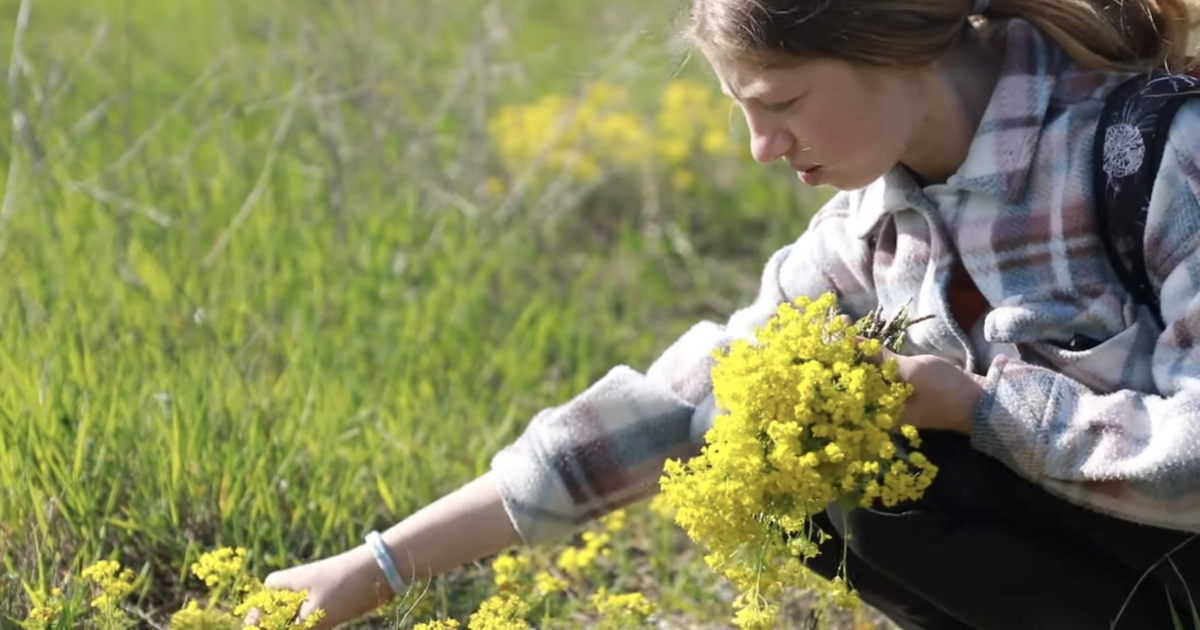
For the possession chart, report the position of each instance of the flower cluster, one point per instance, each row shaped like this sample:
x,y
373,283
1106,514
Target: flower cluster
x,y
576,560
232,595
220,566
193,617
500,612
113,582
603,130
622,610
526,589
440,624
46,610
809,421
508,570
278,609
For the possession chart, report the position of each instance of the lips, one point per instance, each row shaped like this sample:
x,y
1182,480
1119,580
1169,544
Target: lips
x,y
810,175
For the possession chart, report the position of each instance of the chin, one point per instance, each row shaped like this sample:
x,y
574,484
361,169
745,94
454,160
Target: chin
x,y
841,183
850,182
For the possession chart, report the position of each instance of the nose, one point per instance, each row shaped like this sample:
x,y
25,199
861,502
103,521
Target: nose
x,y
767,142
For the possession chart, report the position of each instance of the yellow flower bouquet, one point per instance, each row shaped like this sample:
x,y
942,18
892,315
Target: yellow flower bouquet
x,y
808,418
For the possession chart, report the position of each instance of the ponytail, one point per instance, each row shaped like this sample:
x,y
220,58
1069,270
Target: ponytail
x,y
1136,35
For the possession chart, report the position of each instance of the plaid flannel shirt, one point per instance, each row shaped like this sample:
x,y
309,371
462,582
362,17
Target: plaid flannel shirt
x,y
1114,427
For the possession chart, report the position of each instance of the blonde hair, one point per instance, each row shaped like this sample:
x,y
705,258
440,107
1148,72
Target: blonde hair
x,y
1123,35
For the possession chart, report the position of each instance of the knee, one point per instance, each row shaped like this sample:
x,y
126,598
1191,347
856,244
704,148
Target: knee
x,y
970,488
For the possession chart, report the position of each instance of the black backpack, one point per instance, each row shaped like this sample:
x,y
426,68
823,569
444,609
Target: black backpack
x,y
1128,148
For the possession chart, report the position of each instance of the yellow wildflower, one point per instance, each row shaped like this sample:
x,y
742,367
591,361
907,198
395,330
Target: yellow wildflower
x,y
843,595
278,609
222,565
251,585
807,424
615,604
547,584
500,612
580,136
910,432
756,616
193,617
46,610
45,614
508,569
615,521
576,560
447,624
113,581
600,130
621,611
691,115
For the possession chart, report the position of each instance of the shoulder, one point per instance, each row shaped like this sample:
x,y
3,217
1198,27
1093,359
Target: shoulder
x,y
1173,217
1183,146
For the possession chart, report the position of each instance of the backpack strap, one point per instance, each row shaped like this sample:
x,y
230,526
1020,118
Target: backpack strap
x,y
1128,147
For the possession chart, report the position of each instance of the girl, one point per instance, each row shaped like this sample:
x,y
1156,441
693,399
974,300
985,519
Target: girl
x,y
1064,419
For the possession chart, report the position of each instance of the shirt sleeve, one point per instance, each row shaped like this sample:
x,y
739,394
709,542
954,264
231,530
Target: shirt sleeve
x,y
606,447
1131,454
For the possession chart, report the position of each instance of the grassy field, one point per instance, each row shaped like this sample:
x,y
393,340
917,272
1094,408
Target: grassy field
x,y
273,274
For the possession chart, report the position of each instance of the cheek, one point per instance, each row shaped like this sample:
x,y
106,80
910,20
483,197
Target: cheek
x,y
844,130
871,136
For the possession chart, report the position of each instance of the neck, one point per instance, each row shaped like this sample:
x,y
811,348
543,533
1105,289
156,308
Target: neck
x,y
955,93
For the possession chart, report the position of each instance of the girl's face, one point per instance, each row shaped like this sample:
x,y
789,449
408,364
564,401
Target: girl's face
x,y
834,123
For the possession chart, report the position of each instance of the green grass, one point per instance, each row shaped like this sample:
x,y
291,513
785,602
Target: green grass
x,y
254,290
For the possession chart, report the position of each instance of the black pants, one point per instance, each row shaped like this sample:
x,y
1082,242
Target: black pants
x,y
987,550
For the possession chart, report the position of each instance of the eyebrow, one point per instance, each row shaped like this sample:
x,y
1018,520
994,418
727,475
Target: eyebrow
x,y
754,91
741,98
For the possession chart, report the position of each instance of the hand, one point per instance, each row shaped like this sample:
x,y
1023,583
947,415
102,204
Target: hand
x,y
464,526
944,395
346,587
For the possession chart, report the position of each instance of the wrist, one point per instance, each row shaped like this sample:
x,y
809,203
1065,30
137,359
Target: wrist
x,y
360,568
350,585
384,560
974,393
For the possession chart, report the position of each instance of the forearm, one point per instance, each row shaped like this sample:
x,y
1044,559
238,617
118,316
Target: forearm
x,y
1126,453
459,528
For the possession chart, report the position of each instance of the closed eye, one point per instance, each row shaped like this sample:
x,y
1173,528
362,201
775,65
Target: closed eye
x,y
782,106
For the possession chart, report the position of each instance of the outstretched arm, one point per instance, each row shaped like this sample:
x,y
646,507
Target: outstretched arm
x,y
602,450
461,527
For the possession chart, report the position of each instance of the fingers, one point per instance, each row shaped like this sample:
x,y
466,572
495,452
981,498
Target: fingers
x,y
253,617
306,611
274,581
879,357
